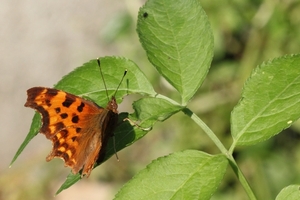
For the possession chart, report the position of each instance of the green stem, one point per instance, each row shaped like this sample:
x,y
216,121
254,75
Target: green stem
x,y
241,177
206,129
221,147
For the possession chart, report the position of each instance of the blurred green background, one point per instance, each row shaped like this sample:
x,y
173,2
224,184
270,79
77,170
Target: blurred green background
x,y
41,42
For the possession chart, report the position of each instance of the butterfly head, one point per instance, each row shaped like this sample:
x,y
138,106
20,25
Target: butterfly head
x,y
112,105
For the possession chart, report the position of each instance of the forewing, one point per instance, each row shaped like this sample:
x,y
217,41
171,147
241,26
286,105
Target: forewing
x,y
71,123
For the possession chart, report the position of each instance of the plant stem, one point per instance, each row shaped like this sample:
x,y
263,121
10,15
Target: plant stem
x,y
221,147
206,129
241,177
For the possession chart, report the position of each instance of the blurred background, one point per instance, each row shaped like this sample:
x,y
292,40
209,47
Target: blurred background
x,y
41,41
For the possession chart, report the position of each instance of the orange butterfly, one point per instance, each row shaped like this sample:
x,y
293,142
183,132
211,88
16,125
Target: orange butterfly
x,y
79,129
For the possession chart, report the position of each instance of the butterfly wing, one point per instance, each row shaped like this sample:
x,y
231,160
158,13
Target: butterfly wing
x,y
73,124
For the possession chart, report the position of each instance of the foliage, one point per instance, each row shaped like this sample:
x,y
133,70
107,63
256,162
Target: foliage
x,y
178,41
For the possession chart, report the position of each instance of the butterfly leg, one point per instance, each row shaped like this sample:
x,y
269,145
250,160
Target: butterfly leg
x,y
133,123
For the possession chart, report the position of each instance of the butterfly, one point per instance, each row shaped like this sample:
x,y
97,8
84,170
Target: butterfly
x,y
78,128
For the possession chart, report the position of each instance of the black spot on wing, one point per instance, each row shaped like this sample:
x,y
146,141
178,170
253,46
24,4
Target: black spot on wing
x,y
78,130
48,102
80,108
57,110
73,138
64,115
75,119
68,101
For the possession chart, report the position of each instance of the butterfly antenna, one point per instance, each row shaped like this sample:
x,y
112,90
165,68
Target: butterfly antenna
x,y
125,72
98,61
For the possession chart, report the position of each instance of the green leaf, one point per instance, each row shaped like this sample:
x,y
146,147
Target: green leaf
x,y
291,192
183,175
150,110
178,41
34,130
86,80
71,180
270,101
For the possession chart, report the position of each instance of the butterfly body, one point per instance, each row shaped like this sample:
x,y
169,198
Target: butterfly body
x,y
79,129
